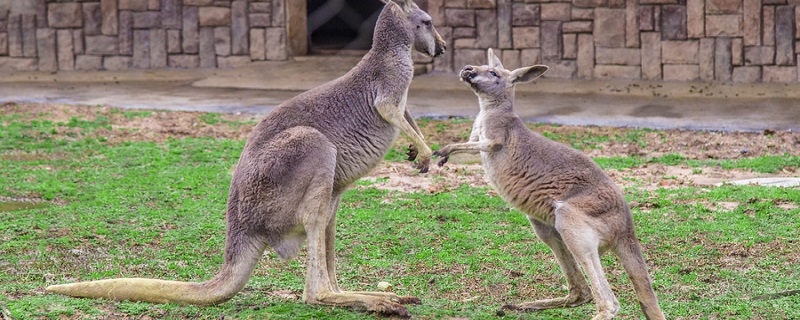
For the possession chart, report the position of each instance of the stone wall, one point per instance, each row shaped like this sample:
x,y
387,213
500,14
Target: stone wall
x,y
139,34
683,40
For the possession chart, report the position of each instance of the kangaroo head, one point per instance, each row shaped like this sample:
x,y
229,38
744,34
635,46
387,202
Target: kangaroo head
x,y
493,80
426,39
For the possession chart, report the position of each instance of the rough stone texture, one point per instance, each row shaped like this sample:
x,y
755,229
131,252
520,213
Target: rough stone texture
x,y
232,62
101,45
585,59
29,35
278,15
116,63
214,16
486,29
191,29
561,69
141,49
526,37
737,52
784,36
136,5
174,41
646,21
46,49
222,41
109,12
673,22
65,50
618,56
768,26
763,55
64,15
551,41
260,19
779,74
582,14
525,14
722,59
258,44
93,18
617,72
436,11
481,3
276,43
651,55
504,18
445,61
590,3
469,57
511,59
77,41
529,57
632,24
147,20
705,57
14,37
680,52
460,17
723,6
239,28
724,25
171,14
556,11
158,48
183,61
570,42
609,28
18,64
87,63
153,4
747,74
464,32
577,27
681,72
752,22
3,44
125,33
695,18
208,58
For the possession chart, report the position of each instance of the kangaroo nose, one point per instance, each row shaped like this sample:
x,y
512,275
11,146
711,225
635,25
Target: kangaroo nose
x,y
468,68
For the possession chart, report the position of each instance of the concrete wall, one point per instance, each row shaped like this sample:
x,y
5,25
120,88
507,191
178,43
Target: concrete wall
x,y
683,40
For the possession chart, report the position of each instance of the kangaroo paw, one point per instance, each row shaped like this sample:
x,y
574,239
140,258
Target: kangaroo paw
x,y
408,300
412,153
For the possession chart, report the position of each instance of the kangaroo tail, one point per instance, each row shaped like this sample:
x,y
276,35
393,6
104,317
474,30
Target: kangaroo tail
x,y
630,255
233,276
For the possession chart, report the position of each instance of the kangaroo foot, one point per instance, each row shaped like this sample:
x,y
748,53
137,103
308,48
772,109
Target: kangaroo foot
x,y
391,296
378,302
569,301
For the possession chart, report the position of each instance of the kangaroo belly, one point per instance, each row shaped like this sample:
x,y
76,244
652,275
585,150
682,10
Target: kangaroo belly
x,y
362,152
520,190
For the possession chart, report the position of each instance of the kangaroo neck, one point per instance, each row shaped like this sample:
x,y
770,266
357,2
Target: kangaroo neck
x,y
504,102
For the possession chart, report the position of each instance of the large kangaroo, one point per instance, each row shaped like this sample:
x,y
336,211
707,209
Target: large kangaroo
x,y
574,207
296,165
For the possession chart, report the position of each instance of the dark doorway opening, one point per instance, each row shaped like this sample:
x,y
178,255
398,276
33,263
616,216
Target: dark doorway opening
x,y
341,26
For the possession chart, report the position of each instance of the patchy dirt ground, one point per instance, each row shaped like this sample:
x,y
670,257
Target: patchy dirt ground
x,y
149,125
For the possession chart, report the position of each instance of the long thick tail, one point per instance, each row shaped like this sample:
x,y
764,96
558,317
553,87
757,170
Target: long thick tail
x,y
240,259
630,254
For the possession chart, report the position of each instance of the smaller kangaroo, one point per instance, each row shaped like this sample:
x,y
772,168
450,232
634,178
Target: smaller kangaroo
x,y
573,206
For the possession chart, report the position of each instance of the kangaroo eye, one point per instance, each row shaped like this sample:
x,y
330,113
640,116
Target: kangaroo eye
x,y
427,23
493,74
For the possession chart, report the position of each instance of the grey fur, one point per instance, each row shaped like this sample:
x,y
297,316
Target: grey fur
x,y
296,165
573,206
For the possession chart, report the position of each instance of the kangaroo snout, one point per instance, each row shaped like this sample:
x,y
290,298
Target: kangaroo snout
x,y
468,73
441,46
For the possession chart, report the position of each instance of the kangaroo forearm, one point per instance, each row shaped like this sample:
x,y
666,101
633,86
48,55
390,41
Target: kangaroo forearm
x,y
473,147
392,115
413,123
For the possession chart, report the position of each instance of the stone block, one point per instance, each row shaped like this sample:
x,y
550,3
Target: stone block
x,y
723,6
585,59
646,20
64,15
673,22
436,11
481,4
18,64
158,48
171,14
577,27
191,29
101,45
660,1
154,5
651,55
65,50
779,74
278,13
737,52
504,17
147,20
784,36
232,62
110,24
14,36
88,63
117,63
590,3
570,42
617,72
632,24
558,11
705,57
463,57
724,25
134,5
198,2
768,26
526,37
758,56
183,61
797,22
618,56
222,41
214,16
174,41
239,29
93,18
29,35
46,49
208,57
261,7
747,74
3,44
125,33
511,59
464,32
77,41
722,59
695,18
582,14
751,22
276,44
460,17
141,49
525,14
486,28
609,28
681,72
564,69
551,45
680,52
529,57
617,4
260,20
464,43
445,62
258,44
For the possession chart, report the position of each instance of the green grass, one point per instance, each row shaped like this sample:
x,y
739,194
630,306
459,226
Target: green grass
x,y
144,209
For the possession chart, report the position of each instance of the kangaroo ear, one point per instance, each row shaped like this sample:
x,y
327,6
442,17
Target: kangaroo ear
x,y
527,74
406,5
494,62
